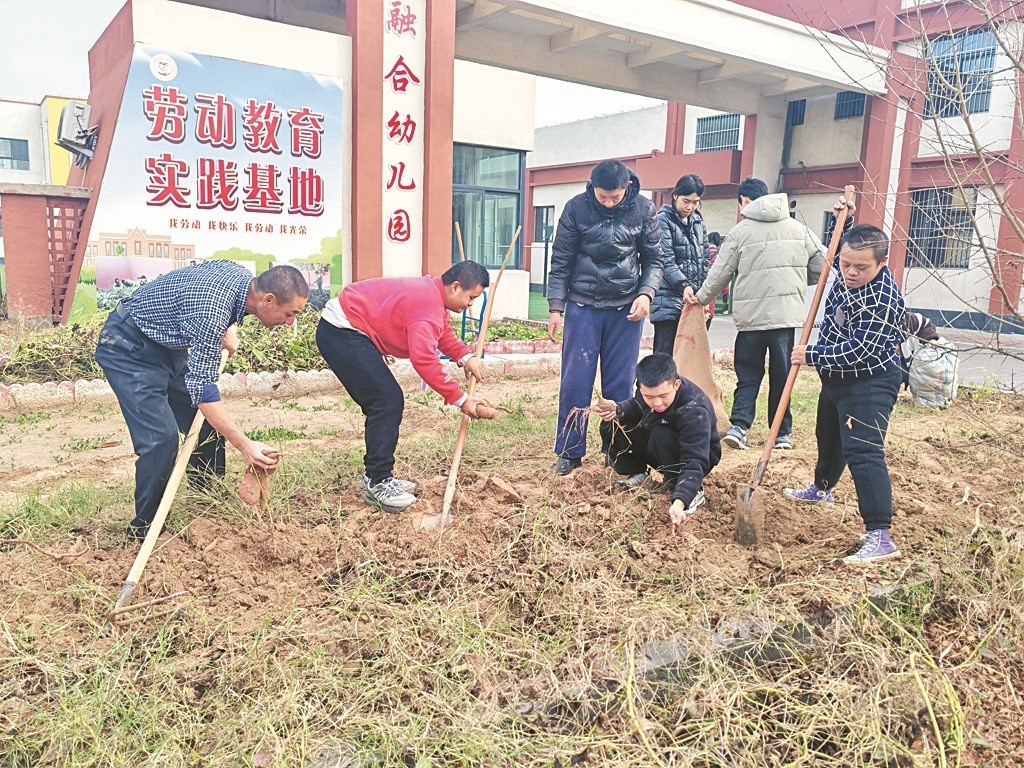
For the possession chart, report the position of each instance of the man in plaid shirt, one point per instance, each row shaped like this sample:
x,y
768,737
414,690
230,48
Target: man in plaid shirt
x,y
160,350
858,361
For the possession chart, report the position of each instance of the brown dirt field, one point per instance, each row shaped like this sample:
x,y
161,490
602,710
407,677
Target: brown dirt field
x,y
294,564
930,467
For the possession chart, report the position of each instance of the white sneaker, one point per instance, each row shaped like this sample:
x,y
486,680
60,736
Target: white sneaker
x,y
406,485
389,495
698,501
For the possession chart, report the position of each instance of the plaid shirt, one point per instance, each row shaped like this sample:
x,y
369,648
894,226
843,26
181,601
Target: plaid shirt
x,y
860,333
192,308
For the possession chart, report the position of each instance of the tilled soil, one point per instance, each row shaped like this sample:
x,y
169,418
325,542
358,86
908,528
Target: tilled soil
x,y
951,471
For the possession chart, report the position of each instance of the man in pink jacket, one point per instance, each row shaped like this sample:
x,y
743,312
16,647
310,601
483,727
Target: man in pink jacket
x,y
405,317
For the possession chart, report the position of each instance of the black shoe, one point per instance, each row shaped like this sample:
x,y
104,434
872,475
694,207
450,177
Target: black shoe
x,y
565,465
136,531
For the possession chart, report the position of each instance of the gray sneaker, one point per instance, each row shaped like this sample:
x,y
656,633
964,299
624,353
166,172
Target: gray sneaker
x,y
877,546
634,481
736,437
406,485
389,495
783,443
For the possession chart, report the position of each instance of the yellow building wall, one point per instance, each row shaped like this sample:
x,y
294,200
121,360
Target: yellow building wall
x,y
60,158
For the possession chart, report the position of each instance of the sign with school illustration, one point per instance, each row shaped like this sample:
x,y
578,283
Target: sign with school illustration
x,y
217,159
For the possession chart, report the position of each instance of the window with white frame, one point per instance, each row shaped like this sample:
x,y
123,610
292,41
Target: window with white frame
x,y
849,104
960,73
717,133
941,227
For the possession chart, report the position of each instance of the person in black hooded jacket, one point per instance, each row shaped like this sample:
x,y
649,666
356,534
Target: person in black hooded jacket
x,y
605,270
669,424
687,259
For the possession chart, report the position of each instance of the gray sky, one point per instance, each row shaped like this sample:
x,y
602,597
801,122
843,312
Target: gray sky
x,y
44,46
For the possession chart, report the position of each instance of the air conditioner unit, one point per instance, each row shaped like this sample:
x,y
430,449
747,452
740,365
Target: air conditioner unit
x,y
74,133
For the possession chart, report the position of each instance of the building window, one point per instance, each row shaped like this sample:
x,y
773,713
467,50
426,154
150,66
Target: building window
x,y
487,186
849,104
941,227
138,248
13,154
543,223
960,73
718,132
795,112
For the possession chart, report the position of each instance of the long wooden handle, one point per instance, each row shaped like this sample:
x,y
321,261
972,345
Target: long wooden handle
x,y
180,465
460,439
780,413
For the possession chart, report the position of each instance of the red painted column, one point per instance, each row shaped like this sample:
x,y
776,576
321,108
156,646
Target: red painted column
x,y
876,148
365,21
906,82
26,243
439,103
749,134
675,125
529,224
1010,256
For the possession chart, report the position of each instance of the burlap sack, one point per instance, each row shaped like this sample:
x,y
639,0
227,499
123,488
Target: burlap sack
x,y
692,354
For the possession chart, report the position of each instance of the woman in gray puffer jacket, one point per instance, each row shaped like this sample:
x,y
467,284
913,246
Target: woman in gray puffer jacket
x,y
686,258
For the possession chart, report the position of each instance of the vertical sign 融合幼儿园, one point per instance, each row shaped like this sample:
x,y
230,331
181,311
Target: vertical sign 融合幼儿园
x,y
402,120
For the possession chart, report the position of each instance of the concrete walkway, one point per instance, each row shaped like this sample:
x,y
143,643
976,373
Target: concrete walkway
x,y
985,360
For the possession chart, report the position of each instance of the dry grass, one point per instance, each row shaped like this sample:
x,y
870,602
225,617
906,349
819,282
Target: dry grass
x,y
531,634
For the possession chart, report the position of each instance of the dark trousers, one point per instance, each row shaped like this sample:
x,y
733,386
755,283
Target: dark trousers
x,y
750,350
853,417
593,334
665,336
149,382
361,369
636,449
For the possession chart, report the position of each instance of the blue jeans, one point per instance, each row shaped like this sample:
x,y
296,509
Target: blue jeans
x,y
592,334
149,382
750,349
853,417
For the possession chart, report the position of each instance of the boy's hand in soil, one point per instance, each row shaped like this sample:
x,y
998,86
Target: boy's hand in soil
x,y
605,409
677,513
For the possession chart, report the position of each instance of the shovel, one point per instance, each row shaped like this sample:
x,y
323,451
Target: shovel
x,y
749,504
177,473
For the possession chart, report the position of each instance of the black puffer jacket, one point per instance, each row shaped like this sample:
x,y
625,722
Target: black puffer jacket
x,y
686,260
605,257
692,417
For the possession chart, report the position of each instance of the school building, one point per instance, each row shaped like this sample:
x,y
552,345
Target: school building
x,y
356,133
945,179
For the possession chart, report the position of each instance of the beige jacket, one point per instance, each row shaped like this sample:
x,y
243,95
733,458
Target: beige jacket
x,y
774,259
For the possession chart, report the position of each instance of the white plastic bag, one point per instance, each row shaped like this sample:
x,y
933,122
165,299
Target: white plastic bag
x,y
934,373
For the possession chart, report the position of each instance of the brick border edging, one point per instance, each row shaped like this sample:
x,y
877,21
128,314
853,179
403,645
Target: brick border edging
x,y
502,359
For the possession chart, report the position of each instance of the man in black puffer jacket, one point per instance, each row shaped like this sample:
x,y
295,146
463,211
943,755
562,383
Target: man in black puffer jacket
x,y
670,425
605,270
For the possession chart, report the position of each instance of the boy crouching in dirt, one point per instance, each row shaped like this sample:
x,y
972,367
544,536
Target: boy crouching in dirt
x,y
669,424
858,360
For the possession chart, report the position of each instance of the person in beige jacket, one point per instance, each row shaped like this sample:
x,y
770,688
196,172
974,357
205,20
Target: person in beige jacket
x,y
774,258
